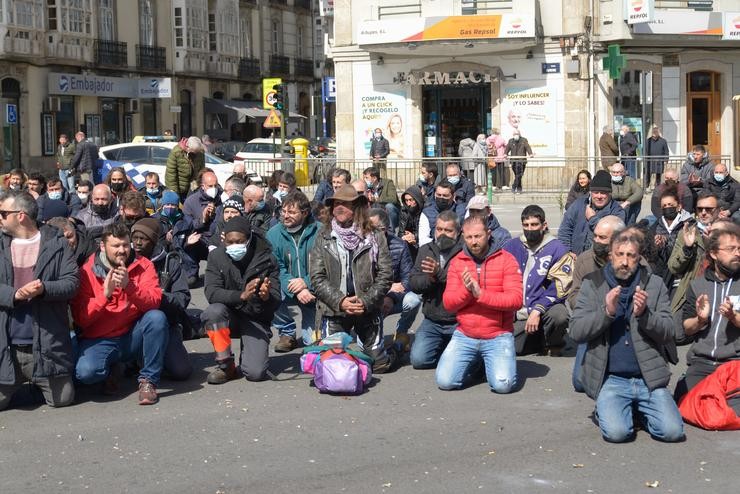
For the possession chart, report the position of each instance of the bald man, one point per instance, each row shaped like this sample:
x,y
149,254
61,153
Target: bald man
x,y
627,192
200,208
99,213
727,191
255,209
670,179
359,186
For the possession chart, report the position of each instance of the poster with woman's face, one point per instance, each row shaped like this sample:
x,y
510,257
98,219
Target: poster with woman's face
x,y
384,111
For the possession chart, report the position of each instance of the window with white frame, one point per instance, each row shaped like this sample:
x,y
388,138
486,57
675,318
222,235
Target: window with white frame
x,y
245,37
75,16
23,13
146,23
275,37
179,28
107,18
228,29
196,26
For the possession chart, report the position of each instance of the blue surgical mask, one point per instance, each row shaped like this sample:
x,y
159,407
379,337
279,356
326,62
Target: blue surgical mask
x,y
236,251
369,184
719,177
279,194
454,180
152,192
55,196
260,206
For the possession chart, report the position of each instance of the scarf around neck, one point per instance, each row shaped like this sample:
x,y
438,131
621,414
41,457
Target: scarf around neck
x,y
352,238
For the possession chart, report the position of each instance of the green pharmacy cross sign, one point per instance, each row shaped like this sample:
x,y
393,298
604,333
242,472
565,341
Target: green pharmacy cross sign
x,y
614,62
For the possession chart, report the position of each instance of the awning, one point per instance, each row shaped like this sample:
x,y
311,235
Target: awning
x,y
243,109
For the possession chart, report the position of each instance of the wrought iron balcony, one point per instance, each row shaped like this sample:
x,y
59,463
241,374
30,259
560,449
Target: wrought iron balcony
x,y
303,67
111,53
279,65
249,68
151,57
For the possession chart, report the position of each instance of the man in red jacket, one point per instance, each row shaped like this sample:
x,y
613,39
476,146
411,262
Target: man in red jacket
x,y
116,311
484,288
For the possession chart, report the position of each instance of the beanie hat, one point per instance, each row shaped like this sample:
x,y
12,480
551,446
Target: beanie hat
x,y
238,224
602,182
52,209
149,227
235,202
170,197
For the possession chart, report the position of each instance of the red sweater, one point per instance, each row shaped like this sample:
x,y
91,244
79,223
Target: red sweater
x,y
501,294
99,317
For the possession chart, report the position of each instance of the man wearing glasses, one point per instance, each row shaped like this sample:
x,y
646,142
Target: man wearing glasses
x,y
38,276
687,257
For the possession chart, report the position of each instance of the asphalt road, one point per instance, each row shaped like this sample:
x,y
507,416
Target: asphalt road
x,y
403,435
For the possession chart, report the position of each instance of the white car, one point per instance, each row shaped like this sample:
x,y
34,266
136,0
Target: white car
x,y
262,155
139,158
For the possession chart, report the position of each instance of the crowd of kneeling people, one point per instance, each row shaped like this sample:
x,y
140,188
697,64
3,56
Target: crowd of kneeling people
x,y
95,282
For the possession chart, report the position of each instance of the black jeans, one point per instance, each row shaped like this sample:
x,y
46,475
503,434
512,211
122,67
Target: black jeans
x,y
551,332
369,331
518,168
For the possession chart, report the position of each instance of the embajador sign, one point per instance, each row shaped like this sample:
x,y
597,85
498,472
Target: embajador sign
x,y
113,87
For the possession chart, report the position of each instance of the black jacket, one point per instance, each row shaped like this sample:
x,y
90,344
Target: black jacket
x,y
225,280
409,221
380,147
727,192
627,145
173,281
85,158
432,289
52,345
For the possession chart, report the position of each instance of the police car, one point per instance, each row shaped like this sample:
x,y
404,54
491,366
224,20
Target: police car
x,y
149,154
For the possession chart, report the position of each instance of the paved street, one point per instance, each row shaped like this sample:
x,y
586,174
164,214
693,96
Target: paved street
x,y
403,435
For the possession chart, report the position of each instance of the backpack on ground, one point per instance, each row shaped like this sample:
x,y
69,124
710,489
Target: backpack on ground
x,y
335,367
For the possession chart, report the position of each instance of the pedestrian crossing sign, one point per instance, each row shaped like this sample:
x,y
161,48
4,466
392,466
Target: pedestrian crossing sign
x,y
272,121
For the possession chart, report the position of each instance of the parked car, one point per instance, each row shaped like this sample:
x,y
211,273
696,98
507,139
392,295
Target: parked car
x,y
227,150
138,158
263,155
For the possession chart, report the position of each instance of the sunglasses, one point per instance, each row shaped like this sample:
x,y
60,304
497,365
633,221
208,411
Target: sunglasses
x,y
4,214
704,210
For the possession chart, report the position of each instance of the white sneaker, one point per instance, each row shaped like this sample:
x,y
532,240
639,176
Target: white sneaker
x,y
505,187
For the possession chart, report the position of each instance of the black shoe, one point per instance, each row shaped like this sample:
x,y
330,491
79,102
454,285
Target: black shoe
x,y
192,281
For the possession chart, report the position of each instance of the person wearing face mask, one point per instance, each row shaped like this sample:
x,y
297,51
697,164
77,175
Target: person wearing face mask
x,y
443,201
55,191
184,163
200,208
99,213
256,209
118,182
464,189
350,270
408,224
628,151
380,148
152,193
292,240
627,192
712,311
727,191
175,226
428,180
381,193
688,254
518,150
547,273
242,287
285,184
14,180
428,279
670,180
663,234
231,207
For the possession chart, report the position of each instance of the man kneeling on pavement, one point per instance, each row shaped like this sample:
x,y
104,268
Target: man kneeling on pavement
x,y
623,314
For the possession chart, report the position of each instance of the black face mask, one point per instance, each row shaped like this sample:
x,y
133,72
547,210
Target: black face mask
x,y
442,204
601,250
100,209
445,243
534,237
670,182
412,209
118,187
670,213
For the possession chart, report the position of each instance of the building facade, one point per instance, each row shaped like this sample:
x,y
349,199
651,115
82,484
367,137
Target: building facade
x,y
432,72
120,68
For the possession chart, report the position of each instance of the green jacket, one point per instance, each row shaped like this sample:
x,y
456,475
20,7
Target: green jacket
x,y
64,154
629,190
685,263
292,257
181,170
387,192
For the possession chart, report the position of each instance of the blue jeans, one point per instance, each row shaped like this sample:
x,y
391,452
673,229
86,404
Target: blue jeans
x,y
408,307
618,397
630,166
632,212
430,341
498,357
393,213
147,339
284,321
68,180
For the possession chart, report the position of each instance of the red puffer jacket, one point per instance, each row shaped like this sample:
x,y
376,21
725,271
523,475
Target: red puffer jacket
x,y
501,294
99,317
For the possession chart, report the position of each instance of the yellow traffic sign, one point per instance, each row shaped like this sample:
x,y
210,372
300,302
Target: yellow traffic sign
x,y
272,121
268,94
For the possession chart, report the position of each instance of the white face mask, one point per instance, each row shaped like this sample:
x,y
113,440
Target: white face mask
x,y
83,197
211,192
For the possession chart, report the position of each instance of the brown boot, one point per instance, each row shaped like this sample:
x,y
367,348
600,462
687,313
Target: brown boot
x,y
147,393
285,344
225,371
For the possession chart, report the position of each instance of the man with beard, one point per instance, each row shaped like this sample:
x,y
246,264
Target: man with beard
x,y
429,279
117,313
547,270
712,310
99,213
576,230
698,169
443,201
131,209
350,269
687,257
484,288
480,206
623,315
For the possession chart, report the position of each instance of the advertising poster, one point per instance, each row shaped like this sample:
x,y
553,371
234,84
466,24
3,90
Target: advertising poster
x,y
533,111
386,111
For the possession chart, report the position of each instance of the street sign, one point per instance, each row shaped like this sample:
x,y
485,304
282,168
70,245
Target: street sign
x,y
268,94
175,109
272,121
550,68
329,89
11,114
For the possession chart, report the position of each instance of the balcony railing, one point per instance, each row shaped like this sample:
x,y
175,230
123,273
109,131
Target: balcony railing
x,y
279,65
303,67
249,68
151,57
111,53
